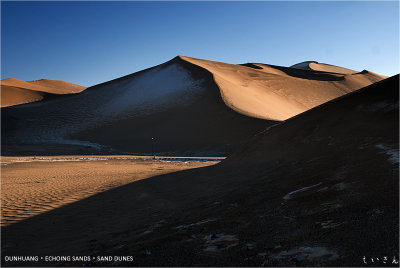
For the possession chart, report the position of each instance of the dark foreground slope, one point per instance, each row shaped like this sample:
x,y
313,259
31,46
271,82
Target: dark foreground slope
x,y
319,189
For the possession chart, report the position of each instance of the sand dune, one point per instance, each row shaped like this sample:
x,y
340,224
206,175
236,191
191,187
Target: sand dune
x,y
189,105
13,82
15,95
58,86
320,189
15,91
278,93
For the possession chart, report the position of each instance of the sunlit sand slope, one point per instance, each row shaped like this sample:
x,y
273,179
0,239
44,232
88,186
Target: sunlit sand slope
x,y
14,95
278,93
58,86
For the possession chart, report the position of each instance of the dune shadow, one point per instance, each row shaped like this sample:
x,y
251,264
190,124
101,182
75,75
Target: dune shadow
x,y
251,66
300,73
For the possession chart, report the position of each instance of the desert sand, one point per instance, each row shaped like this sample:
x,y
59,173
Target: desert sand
x,y
34,185
15,91
190,106
319,189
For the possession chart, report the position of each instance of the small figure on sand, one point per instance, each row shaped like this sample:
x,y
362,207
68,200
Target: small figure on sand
x,y
152,147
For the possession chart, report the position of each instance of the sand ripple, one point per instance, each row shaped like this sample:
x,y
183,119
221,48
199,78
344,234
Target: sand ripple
x,y
32,187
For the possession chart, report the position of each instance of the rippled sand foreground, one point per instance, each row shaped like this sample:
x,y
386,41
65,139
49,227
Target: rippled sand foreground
x,y
34,185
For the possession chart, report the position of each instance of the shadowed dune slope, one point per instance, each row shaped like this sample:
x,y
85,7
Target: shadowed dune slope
x,y
190,106
15,91
317,189
320,189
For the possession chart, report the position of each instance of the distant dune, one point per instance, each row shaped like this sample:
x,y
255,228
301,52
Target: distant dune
x,y
58,86
190,106
15,91
15,95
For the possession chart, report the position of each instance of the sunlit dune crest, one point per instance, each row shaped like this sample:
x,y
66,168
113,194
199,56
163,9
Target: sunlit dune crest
x,y
278,93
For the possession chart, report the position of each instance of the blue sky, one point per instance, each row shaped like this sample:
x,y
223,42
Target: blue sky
x,y
92,42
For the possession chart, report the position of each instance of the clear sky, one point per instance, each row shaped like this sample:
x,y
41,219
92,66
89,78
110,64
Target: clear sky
x,y
92,42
